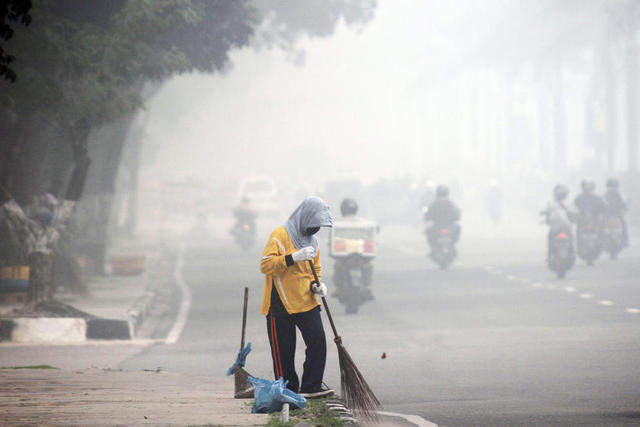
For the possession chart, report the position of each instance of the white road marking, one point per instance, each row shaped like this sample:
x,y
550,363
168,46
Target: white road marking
x,y
510,277
605,302
586,296
414,419
569,289
523,280
409,251
185,305
632,310
537,285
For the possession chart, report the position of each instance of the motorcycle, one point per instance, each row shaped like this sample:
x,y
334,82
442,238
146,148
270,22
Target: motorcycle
x,y
444,251
353,249
561,254
588,241
613,236
244,234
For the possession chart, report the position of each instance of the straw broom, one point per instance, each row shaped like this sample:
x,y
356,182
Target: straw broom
x,y
243,388
355,390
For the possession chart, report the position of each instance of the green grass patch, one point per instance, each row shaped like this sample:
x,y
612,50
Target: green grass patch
x,y
29,367
315,413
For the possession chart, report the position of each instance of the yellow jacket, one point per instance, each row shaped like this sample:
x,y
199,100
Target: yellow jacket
x,y
292,283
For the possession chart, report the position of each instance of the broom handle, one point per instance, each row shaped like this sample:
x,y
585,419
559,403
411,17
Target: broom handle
x,y
244,316
324,302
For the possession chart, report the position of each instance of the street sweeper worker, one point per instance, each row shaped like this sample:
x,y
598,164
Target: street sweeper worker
x,y
290,298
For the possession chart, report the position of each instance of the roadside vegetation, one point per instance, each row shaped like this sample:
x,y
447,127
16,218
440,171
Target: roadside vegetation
x,y
315,413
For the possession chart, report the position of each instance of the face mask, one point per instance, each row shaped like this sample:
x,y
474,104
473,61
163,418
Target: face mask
x,y
312,230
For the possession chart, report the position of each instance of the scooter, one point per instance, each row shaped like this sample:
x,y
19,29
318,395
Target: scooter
x,y
352,245
444,251
613,236
588,241
561,254
244,234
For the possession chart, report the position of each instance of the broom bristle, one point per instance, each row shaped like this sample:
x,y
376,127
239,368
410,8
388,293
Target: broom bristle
x,y
243,388
355,390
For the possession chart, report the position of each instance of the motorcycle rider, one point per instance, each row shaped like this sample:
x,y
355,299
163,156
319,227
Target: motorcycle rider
x,y
245,213
590,206
349,210
559,216
443,213
616,206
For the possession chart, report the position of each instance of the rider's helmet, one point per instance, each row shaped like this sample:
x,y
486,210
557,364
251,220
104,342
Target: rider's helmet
x,y
612,184
588,185
348,207
442,192
560,192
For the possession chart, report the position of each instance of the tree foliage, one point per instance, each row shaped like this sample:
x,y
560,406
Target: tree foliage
x,y
85,66
11,11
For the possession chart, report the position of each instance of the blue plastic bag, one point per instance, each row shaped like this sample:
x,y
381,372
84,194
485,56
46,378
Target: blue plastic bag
x,y
270,395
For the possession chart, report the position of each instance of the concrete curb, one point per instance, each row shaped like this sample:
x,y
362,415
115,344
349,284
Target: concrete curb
x,y
63,329
141,308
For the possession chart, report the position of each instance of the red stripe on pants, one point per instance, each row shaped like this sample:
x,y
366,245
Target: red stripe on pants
x,y
276,349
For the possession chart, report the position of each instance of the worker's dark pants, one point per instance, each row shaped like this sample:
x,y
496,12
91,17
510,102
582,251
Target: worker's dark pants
x,y
282,337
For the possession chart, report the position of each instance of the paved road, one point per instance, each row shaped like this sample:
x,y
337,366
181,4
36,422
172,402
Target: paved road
x,y
496,340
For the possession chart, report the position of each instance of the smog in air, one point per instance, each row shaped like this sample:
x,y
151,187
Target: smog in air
x,y
408,212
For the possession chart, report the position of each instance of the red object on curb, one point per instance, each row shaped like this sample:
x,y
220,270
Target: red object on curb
x,y
128,265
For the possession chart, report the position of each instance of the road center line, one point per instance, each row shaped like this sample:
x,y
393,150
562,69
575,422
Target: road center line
x,y
185,305
632,310
569,289
586,296
605,302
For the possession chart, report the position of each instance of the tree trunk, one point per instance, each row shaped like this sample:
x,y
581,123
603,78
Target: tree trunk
x,y
611,108
41,277
560,121
133,166
10,142
632,101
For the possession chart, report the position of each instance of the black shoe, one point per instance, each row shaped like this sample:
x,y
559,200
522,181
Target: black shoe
x,y
324,391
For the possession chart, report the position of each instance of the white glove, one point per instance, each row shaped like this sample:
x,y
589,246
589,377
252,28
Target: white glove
x,y
319,289
304,254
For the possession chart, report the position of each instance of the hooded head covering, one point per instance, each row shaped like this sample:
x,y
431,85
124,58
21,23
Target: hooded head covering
x,y
312,212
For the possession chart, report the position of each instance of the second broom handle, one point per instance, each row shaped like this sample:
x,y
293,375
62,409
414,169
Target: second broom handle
x,y
324,301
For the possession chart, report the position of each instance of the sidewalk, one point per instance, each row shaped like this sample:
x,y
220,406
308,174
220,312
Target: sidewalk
x,y
104,397
115,307
94,396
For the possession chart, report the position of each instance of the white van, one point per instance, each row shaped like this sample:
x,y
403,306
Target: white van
x,y
261,192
